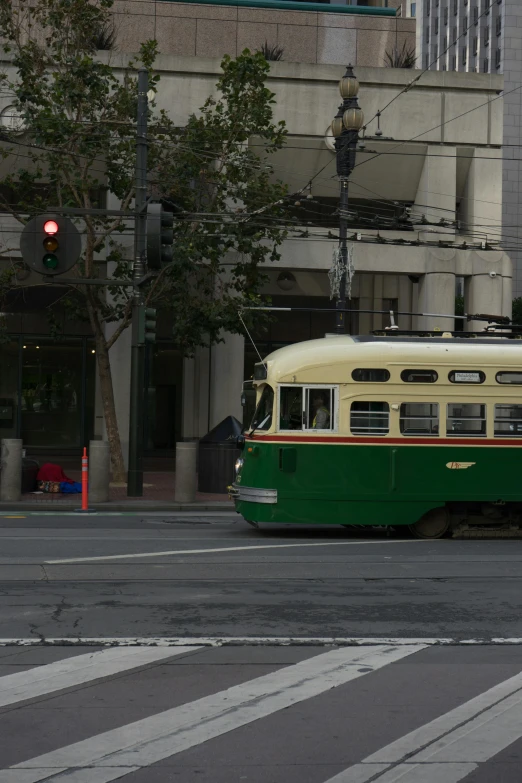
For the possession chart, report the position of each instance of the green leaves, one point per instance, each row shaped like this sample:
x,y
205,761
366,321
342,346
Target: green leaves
x,y
215,172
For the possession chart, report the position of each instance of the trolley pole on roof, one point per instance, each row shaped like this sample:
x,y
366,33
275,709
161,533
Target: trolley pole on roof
x,y
345,128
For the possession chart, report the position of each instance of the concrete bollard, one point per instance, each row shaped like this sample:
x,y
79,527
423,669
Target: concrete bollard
x,y
11,470
185,486
99,471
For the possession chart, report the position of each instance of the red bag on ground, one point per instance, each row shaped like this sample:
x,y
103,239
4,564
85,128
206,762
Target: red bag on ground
x,y
51,472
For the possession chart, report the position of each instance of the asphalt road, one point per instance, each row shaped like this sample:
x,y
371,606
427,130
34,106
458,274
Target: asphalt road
x,y
186,649
190,576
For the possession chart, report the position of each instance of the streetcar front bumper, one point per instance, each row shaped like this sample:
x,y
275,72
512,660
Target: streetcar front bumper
x,y
252,494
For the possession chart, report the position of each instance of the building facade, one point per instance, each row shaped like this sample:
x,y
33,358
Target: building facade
x,y
484,36
435,157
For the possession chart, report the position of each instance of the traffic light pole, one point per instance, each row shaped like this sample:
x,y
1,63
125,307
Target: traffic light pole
x,y
137,390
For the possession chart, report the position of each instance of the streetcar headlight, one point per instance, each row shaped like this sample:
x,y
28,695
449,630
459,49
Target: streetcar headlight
x,y
238,465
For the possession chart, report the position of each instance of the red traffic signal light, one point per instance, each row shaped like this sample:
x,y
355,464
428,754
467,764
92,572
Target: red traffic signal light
x,y
50,227
51,244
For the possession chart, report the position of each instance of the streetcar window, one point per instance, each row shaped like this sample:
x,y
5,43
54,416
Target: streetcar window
x,y
419,376
419,418
509,377
319,413
291,408
466,419
260,372
461,376
263,416
508,421
370,418
370,376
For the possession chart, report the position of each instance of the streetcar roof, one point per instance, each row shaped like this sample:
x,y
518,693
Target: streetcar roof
x,y
371,351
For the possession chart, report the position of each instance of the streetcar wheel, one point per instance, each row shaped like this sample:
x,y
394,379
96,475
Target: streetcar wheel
x,y
434,524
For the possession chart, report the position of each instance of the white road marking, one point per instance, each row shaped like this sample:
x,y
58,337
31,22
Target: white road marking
x,y
118,752
451,746
78,670
233,549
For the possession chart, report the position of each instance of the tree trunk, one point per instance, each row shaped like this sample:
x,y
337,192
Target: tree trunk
x,y
109,409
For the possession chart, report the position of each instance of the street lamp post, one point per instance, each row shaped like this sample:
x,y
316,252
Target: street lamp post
x,y
345,128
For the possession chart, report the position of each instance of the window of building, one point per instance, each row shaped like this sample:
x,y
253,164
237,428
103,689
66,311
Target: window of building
x,y
370,376
426,61
428,8
498,25
370,418
486,7
413,10
419,418
466,376
455,7
263,416
427,35
454,62
419,376
486,36
446,15
475,45
509,377
437,25
508,421
466,419
464,55
498,58
475,15
485,65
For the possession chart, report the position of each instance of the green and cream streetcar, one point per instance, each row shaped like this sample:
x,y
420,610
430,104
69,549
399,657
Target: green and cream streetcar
x,y
392,430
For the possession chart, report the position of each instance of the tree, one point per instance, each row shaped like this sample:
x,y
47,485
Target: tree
x,y
79,120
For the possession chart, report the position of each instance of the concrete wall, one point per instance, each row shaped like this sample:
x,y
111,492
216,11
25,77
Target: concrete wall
x,y
201,30
512,168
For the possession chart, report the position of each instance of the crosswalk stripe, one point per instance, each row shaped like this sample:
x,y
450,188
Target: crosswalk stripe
x,y
118,752
451,746
78,670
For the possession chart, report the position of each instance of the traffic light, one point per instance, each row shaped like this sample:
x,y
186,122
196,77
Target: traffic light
x,y
160,236
50,244
147,325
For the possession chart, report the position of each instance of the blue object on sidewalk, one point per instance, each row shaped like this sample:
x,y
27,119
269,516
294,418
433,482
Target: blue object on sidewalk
x,y
70,489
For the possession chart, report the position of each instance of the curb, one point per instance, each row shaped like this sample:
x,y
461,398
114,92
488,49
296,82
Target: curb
x,y
147,505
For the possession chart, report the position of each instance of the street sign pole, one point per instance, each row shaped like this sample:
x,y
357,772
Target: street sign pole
x,y
137,390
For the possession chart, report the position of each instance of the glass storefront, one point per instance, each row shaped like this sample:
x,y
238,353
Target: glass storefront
x,y
47,391
9,381
163,420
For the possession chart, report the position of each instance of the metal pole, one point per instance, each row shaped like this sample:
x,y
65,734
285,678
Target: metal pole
x,y
340,305
135,472
345,148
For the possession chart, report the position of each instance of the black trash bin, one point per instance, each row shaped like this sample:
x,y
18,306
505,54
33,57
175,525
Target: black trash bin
x,y
30,468
218,452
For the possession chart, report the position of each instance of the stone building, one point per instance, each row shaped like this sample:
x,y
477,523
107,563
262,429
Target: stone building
x,y
436,158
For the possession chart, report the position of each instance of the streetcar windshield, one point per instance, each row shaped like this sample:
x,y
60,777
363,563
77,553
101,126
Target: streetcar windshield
x,y
263,416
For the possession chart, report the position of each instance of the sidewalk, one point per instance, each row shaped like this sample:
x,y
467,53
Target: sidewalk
x,y
158,495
